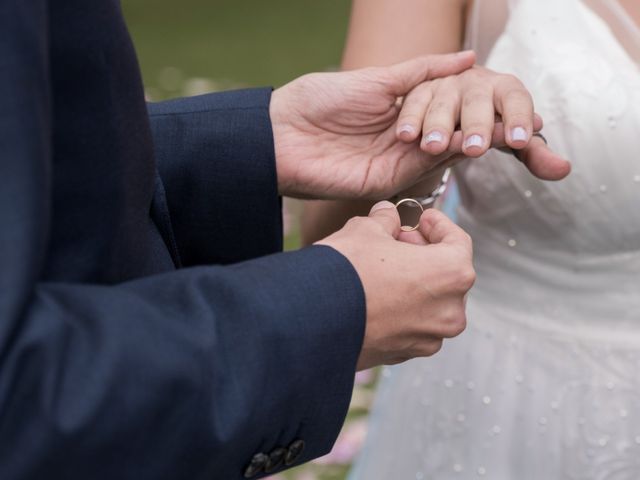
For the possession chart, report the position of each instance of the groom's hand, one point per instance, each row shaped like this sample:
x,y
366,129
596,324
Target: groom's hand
x,y
415,285
335,134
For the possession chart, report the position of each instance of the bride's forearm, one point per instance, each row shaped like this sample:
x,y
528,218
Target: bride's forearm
x,y
382,32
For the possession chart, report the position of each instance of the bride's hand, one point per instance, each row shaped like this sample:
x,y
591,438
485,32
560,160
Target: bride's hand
x,y
337,134
474,111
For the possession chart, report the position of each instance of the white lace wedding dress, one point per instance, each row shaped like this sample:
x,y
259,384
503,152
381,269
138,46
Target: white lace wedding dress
x,y
545,382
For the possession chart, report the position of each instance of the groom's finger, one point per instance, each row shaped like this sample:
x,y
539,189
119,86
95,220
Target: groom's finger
x,y
414,237
414,109
403,77
436,227
386,215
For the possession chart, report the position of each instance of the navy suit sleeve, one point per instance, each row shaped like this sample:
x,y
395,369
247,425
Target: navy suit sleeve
x,y
182,375
216,159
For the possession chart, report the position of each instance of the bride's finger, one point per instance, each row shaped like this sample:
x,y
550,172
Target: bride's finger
x,y
412,113
477,120
454,153
498,139
539,159
441,118
458,138
537,123
515,105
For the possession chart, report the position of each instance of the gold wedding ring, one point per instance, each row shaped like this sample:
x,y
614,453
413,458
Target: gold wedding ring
x,y
414,203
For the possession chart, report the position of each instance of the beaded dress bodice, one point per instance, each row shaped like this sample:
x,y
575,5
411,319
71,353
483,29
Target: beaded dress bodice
x,y
576,242
545,382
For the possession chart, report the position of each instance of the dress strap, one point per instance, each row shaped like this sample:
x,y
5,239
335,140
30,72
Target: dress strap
x,y
622,25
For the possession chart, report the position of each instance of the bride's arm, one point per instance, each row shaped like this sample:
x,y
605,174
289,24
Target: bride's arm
x,y
382,32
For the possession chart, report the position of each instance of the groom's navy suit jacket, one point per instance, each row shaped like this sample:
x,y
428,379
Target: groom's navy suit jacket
x,y
148,327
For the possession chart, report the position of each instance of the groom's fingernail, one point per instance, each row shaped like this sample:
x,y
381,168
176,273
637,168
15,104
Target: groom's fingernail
x,y
473,141
407,129
382,205
519,134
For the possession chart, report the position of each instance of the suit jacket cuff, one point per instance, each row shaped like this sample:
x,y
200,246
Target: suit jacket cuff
x,y
318,346
216,160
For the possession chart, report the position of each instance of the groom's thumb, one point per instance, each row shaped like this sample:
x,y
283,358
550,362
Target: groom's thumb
x,y
386,215
405,76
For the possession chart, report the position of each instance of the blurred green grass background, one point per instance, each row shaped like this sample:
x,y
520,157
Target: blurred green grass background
x,y
237,42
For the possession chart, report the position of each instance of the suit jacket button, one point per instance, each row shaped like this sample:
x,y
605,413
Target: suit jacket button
x,y
276,458
294,452
256,466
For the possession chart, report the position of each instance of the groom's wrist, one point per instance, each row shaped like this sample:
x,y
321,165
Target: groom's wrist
x,y
282,145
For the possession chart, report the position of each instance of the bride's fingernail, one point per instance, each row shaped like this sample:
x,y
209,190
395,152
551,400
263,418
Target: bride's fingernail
x,y
473,141
407,129
519,134
434,136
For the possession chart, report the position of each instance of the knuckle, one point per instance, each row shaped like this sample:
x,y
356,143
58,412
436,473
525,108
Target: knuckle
x,y
520,119
422,90
518,96
410,117
447,84
466,278
441,107
436,83
453,330
454,322
433,214
477,96
510,79
458,324
461,275
466,238
431,348
477,127
358,223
